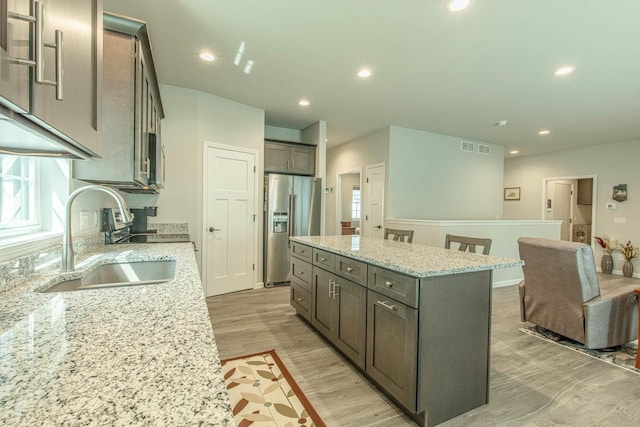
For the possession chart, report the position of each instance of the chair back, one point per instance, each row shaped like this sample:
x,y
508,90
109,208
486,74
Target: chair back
x,y
468,243
559,277
398,235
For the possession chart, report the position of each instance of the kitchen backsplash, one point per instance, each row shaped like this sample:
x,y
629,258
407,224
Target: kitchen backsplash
x,y
16,271
173,227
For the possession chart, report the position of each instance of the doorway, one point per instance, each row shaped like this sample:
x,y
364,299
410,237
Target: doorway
x,y
572,200
229,219
348,201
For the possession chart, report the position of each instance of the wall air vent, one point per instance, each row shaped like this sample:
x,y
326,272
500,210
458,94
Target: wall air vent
x,y
484,149
467,146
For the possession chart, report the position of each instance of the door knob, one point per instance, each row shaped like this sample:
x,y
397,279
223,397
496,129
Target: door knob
x,y
211,229
377,226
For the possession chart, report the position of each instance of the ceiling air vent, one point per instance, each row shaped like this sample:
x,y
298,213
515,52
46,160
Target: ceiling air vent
x,y
484,149
467,146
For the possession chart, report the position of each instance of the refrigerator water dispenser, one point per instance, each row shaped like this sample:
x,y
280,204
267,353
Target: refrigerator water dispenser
x,y
280,222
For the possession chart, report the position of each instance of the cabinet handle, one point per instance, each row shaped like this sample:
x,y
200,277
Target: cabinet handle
x,y
349,269
40,44
335,290
300,273
4,21
4,33
300,299
330,288
388,284
301,251
386,305
323,259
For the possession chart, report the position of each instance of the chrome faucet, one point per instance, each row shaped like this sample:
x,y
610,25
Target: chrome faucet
x,y
67,261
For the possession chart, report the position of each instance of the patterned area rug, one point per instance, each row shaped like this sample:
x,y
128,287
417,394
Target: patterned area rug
x,y
624,357
262,391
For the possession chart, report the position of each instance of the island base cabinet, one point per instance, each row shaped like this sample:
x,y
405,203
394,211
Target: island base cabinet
x,y
391,347
339,313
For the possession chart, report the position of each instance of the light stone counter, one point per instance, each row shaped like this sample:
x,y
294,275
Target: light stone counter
x,y
140,355
408,258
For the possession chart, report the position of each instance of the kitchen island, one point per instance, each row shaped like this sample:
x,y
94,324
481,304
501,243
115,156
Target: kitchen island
x,y
138,355
415,319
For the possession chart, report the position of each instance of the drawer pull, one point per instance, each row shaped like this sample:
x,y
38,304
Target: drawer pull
x,y
386,305
300,273
301,251
349,269
300,299
388,284
323,259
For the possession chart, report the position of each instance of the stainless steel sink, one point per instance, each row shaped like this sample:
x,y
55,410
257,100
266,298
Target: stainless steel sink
x,y
122,274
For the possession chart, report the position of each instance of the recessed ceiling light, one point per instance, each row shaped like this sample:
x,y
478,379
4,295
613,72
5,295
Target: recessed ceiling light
x,y
303,102
457,5
206,56
544,132
564,70
364,73
514,151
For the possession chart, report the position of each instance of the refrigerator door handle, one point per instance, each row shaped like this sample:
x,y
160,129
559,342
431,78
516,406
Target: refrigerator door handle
x,y
292,215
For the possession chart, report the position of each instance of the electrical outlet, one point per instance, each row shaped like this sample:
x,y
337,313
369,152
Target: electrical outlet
x,y
611,206
619,220
84,220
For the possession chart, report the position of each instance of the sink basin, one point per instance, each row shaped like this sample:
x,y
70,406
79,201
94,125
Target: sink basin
x,y
122,274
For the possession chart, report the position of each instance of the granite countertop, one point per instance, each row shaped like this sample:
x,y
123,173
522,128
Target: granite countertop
x,y
139,355
409,258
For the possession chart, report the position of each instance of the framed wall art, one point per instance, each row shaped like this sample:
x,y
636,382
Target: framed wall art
x,y
512,193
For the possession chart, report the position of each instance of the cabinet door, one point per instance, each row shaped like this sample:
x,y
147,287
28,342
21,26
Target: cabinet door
x,y
78,115
351,320
276,157
14,43
303,160
322,310
391,347
141,132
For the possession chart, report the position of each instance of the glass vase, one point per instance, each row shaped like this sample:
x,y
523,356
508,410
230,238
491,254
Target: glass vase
x,y
606,263
627,269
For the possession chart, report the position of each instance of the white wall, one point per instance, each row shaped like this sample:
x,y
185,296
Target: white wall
x,y
370,149
612,163
429,177
193,117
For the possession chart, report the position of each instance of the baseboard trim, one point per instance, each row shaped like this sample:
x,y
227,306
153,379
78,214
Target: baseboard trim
x,y
258,285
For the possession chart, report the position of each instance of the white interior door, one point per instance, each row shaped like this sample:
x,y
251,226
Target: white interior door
x,y
374,203
229,221
562,203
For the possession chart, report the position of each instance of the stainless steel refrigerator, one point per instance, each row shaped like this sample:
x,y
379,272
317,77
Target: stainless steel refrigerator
x,y
292,208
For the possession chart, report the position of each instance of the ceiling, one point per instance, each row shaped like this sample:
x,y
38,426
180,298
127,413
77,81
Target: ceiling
x,y
450,73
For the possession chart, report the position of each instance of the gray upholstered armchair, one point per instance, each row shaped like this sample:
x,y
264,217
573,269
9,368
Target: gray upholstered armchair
x,y
560,292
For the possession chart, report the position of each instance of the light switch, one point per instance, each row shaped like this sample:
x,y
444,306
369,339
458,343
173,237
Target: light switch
x,y
611,206
619,220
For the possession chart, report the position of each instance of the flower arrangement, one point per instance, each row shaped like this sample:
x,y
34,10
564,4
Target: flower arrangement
x,y
628,250
608,244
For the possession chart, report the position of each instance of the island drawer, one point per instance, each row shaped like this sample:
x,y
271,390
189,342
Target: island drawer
x,y
301,300
324,259
301,251
301,272
351,269
394,285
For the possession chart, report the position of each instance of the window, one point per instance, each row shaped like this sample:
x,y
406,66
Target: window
x,y
32,194
355,203
18,208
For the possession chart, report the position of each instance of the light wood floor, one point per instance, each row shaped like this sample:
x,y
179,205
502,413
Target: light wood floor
x,y
533,382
